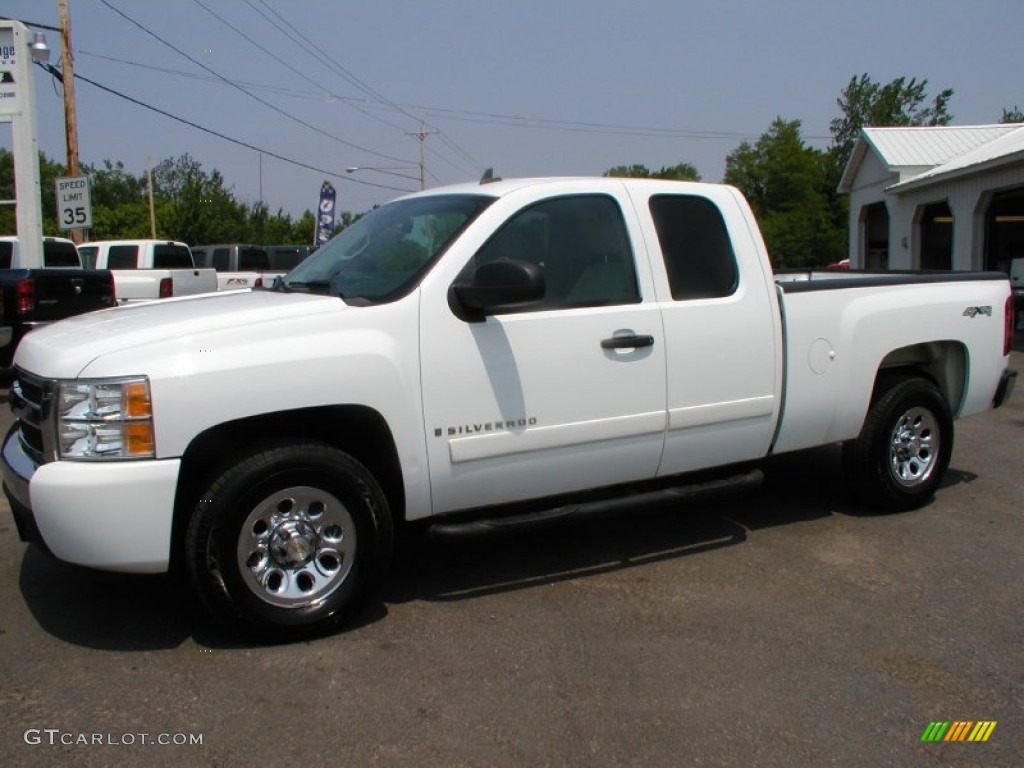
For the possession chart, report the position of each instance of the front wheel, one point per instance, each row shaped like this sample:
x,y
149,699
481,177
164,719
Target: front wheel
x,y
902,453
289,541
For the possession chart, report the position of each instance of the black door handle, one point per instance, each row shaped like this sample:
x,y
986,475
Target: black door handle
x,y
627,342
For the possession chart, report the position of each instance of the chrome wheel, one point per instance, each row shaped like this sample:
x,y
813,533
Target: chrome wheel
x,y
898,460
291,540
914,447
296,547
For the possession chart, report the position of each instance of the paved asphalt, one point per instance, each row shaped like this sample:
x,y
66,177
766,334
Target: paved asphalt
x,y
785,627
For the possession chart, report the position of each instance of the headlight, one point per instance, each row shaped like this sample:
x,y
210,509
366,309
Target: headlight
x,y
105,419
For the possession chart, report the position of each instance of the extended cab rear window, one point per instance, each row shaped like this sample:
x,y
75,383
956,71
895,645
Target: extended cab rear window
x,y
287,258
252,258
59,254
695,245
123,257
172,257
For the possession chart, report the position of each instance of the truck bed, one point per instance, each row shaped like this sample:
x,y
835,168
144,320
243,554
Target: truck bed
x,y
842,327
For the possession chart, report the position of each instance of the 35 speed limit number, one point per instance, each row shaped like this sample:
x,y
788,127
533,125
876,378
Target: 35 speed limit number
x,y
74,208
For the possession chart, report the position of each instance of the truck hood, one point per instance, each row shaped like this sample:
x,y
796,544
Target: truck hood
x,y
64,349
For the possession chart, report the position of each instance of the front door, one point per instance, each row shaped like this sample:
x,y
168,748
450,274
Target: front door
x,y
548,399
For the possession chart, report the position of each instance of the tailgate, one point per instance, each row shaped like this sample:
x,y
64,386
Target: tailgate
x,y
230,281
189,282
61,293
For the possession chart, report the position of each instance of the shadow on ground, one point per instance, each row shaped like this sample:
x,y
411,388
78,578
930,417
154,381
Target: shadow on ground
x,y
140,613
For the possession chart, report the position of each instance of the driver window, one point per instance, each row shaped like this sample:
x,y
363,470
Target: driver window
x,y
581,246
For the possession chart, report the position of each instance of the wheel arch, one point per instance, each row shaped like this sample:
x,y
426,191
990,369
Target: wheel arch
x,y
359,431
944,363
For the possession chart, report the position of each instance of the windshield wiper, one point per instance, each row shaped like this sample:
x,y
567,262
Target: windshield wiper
x,y
289,284
326,286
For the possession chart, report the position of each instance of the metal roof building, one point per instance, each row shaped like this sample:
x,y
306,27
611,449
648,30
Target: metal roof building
x,y
944,197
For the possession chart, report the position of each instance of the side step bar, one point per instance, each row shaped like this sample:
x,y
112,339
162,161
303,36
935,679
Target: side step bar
x,y
548,518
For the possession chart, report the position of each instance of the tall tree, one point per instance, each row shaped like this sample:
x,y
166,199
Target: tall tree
x,y
900,102
49,171
1012,115
783,179
192,205
204,209
678,172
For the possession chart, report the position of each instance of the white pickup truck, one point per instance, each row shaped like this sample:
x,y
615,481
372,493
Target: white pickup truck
x,y
238,265
477,357
149,269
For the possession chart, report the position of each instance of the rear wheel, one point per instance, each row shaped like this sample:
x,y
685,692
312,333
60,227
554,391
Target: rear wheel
x,y
902,453
290,541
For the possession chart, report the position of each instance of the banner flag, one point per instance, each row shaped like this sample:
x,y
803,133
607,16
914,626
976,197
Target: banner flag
x,y
325,215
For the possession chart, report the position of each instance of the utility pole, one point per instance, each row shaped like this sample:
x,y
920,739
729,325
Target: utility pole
x,y
149,191
422,134
68,78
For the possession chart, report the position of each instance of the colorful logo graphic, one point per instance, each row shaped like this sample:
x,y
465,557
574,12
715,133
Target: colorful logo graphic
x,y
959,730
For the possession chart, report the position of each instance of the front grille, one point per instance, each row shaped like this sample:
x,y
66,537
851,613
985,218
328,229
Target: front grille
x,y
29,402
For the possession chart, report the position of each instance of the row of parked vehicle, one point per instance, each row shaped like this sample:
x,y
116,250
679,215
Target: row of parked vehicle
x,y
101,274
150,269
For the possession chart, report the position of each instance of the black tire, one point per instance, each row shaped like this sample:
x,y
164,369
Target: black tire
x,y
902,453
290,541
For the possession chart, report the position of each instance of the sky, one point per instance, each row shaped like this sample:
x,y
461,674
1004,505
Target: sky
x,y
528,88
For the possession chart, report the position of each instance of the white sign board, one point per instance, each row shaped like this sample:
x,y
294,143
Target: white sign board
x,y
9,73
74,208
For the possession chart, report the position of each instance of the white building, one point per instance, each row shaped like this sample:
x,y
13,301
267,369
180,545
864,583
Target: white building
x,y
937,197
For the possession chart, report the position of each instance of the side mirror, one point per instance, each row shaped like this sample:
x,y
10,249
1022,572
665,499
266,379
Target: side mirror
x,y
500,286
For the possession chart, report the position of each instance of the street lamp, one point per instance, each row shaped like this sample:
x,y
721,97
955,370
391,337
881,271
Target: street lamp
x,y
40,50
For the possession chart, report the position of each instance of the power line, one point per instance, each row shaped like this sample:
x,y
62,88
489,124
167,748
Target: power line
x,y
325,57
490,118
59,76
348,75
281,61
324,96
240,88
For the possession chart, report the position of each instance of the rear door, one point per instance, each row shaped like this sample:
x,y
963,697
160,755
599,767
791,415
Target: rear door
x,y
552,398
722,328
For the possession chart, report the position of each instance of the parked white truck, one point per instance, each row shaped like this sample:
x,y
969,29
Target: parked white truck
x,y
149,269
480,356
238,265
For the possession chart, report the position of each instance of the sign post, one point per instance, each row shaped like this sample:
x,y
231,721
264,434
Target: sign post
x,y
18,107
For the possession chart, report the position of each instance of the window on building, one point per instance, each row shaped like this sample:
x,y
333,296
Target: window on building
x,y
1004,230
936,227
875,223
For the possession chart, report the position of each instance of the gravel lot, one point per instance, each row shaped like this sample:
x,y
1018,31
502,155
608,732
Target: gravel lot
x,y
785,627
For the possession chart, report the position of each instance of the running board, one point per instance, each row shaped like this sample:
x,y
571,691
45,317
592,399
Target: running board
x,y
547,518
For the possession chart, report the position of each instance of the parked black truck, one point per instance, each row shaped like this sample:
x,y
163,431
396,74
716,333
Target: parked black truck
x,y
31,297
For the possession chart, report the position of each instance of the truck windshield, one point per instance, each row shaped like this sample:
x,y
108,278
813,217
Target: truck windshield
x,y
386,252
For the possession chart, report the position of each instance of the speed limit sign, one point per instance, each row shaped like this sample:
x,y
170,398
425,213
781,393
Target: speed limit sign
x,y
74,208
